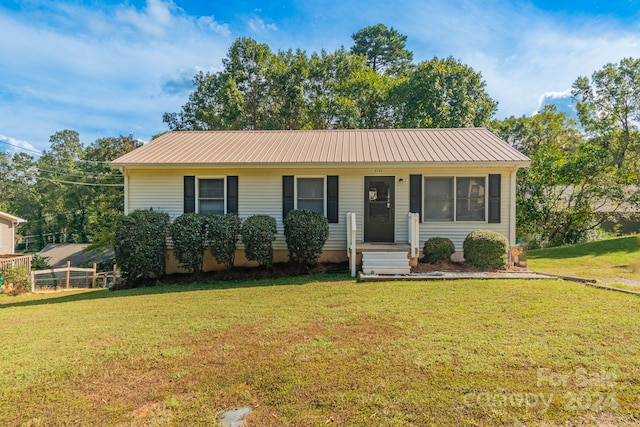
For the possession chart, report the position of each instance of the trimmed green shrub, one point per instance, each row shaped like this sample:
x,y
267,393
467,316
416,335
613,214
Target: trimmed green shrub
x,y
188,234
140,245
258,232
486,249
223,232
306,232
39,262
15,280
437,249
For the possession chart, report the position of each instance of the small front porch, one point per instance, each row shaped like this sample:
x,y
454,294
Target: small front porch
x,y
390,258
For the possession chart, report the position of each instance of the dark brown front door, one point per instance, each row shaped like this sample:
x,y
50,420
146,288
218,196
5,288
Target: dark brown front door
x,y
379,209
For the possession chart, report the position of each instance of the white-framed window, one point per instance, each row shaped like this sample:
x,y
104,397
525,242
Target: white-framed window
x,y
310,193
455,198
211,196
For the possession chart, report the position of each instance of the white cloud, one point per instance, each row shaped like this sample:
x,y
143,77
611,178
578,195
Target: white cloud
x,y
13,146
522,52
257,25
100,72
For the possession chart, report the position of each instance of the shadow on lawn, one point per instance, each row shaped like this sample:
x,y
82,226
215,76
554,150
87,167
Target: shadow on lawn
x,y
166,288
627,244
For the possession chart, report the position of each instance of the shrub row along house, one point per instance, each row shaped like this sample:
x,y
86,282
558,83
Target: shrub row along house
x,y
366,182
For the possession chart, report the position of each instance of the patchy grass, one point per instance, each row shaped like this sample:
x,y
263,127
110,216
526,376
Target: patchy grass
x,y
323,349
612,261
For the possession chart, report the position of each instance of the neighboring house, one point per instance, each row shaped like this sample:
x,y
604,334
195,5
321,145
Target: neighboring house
x,y
455,180
7,232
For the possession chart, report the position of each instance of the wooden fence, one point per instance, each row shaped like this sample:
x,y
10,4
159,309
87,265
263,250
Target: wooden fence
x,y
72,277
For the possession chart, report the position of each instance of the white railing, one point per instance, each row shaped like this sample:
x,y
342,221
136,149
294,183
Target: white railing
x,y
351,242
414,234
15,261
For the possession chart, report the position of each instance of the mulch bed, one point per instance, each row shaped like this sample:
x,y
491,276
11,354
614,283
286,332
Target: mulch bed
x,y
281,270
460,268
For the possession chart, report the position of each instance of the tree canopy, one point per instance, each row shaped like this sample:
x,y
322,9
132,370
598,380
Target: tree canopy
x,y
384,49
69,194
374,85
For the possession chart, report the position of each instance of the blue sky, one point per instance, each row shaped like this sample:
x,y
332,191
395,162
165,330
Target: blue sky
x,y
107,67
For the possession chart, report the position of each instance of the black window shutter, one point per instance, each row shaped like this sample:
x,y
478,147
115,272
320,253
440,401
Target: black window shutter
x,y
415,194
332,199
189,194
494,197
287,195
232,194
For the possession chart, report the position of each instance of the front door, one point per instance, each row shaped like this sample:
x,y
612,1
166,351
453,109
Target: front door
x,y
379,209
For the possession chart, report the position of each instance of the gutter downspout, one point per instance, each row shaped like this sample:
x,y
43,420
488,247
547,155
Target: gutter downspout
x,y
512,207
126,190
12,229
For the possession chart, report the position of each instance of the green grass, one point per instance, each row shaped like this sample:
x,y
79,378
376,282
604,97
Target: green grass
x,y
612,261
323,349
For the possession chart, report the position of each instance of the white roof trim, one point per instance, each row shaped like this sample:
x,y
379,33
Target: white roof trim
x,y
12,218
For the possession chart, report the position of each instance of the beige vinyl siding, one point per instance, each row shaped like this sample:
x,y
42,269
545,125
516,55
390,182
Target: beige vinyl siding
x,y
260,192
157,189
458,231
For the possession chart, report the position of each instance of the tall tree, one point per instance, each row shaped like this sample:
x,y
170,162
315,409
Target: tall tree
x,y
609,108
69,194
561,195
290,90
384,48
444,93
239,97
329,102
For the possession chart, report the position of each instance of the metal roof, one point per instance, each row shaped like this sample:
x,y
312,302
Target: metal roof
x,y
324,146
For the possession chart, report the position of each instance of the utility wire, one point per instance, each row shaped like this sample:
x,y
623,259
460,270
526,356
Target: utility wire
x,y
40,153
87,175
81,183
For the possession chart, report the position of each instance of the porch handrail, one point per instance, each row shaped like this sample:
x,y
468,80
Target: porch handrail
x,y
351,241
15,261
414,234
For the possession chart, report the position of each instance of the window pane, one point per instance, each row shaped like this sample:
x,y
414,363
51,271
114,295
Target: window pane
x,y
438,199
470,199
310,188
211,188
310,194
209,207
312,205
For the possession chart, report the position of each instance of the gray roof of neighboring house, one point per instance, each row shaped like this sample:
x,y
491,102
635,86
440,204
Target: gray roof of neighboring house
x,y
59,253
324,146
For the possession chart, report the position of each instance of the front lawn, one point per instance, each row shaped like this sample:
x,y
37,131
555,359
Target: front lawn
x,y
613,261
323,349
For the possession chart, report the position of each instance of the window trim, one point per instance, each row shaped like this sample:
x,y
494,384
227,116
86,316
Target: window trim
x,y
224,187
324,191
455,198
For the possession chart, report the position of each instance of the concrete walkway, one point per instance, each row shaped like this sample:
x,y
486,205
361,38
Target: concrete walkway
x,y
453,275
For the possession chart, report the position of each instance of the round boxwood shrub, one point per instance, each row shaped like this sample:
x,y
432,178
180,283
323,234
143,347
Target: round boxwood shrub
x,y
438,249
486,249
257,233
306,232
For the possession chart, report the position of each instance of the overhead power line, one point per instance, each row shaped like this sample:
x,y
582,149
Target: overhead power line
x,y
81,183
40,153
